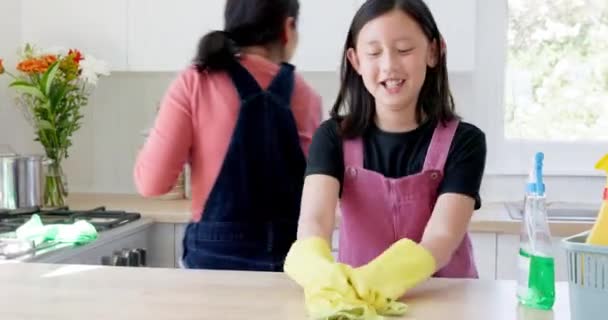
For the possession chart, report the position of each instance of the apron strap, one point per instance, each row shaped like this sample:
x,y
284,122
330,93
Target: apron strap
x,y
283,83
245,83
353,152
439,148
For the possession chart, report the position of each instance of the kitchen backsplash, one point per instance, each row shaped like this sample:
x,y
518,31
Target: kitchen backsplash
x,y
124,105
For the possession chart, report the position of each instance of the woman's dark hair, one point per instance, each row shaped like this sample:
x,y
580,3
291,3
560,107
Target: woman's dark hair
x,y
246,23
435,102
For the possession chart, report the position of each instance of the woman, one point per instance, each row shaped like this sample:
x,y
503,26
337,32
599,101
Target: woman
x,y
246,145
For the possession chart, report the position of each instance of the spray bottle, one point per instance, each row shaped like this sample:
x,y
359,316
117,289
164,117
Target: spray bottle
x,y
536,265
599,233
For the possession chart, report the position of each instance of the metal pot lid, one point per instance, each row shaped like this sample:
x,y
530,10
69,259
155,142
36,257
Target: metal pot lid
x,y
22,156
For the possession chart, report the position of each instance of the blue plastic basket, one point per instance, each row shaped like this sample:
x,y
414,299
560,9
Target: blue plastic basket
x,y
587,277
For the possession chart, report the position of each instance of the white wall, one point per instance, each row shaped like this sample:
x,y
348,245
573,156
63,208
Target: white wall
x,y
121,107
12,125
124,104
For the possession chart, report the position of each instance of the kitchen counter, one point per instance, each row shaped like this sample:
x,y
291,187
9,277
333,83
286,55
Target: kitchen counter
x,y
163,211
491,218
494,218
43,291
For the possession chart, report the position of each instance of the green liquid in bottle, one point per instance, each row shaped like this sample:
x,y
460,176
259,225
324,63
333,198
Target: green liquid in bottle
x,y
538,290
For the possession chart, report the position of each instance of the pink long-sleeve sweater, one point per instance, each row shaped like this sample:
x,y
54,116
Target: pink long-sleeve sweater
x,y
195,123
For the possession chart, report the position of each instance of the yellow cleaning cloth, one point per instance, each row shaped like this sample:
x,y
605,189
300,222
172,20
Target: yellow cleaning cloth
x,y
327,291
387,278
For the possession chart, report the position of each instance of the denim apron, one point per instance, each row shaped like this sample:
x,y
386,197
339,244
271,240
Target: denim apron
x,y
250,218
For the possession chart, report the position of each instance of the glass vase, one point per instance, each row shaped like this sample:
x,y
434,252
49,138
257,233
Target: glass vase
x,y
55,185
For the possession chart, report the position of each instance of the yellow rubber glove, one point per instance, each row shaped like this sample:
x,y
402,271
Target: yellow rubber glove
x,y
327,291
385,279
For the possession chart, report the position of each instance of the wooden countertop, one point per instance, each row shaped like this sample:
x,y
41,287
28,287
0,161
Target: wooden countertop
x,y
163,211
492,217
43,291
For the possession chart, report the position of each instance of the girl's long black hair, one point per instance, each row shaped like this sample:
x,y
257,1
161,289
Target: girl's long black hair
x,y
355,107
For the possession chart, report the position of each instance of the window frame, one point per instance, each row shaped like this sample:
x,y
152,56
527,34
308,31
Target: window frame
x,y
514,156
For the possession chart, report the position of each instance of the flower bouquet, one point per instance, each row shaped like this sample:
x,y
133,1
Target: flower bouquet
x,y
52,87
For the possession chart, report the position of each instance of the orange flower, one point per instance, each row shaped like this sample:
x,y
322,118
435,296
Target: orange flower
x,y
34,65
49,59
1,67
27,66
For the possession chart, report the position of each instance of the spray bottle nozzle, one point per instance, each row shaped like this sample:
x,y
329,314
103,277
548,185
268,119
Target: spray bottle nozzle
x,y
536,184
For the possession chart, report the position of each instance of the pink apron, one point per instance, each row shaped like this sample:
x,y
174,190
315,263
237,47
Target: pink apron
x,y
377,211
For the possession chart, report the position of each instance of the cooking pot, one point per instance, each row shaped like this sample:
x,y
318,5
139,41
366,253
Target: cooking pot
x,y
21,181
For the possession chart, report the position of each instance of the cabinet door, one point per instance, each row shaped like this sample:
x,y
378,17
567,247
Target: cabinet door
x,y
561,267
180,230
507,255
484,247
457,21
163,35
323,26
95,27
161,246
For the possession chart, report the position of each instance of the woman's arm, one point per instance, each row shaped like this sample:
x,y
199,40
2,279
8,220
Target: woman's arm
x,y
319,201
306,108
165,152
447,226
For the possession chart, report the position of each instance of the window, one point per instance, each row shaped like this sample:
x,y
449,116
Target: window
x,y
543,79
557,71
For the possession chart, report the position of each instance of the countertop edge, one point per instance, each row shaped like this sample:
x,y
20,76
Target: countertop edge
x,y
491,218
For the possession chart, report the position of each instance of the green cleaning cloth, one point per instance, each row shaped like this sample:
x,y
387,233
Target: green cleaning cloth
x,y
78,233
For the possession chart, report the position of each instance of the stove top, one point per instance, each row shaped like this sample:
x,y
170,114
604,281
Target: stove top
x,y
99,217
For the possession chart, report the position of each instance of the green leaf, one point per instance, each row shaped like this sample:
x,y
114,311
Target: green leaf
x,y
27,88
58,93
21,83
44,125
49,77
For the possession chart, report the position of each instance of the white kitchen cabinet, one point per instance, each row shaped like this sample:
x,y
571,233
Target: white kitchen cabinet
x,y
170,43
180,230
159,35
164,35
508,248
484,249
456,20
457,23
484,246
161,246
323,26
95,27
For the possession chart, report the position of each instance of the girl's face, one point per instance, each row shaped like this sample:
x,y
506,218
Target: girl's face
x,y
392,55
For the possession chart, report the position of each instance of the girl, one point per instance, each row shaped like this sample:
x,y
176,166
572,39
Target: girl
x,y
406,170
245,144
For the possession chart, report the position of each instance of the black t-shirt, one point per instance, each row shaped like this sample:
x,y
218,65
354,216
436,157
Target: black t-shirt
x,y
398,155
